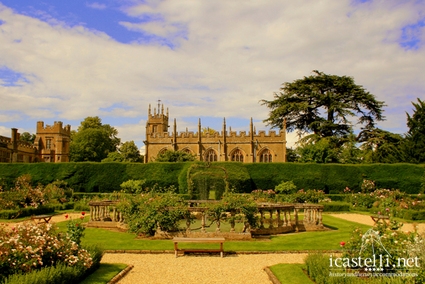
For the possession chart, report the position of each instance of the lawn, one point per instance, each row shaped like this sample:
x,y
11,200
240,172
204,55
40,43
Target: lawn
x,y
104,273
290,273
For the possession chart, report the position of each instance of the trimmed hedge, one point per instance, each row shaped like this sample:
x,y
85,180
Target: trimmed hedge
x,y
25,212
332,178
336,206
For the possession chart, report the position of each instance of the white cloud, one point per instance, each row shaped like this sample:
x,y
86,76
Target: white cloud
x,y
96,5
4,131
227,57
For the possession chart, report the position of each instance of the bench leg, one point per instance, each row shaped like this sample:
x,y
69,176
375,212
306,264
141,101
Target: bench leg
x,y
221,249
175,249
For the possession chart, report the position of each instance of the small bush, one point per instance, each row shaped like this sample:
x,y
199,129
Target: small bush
x,y
286,187
133,186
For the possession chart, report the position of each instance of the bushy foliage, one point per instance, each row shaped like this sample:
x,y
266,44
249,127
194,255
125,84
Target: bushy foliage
x,y
260,195
286,187
305,196
147,213
133,186
175,156
75,228
30,246
242,207
24,194
381,200
385,240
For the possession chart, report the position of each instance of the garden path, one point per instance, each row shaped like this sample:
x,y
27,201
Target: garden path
x,y
167,269
367,220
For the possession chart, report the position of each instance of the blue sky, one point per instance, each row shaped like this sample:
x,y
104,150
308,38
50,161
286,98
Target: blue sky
x,y
66,60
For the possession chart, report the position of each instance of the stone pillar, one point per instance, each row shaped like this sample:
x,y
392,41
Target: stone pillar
x,y
203,222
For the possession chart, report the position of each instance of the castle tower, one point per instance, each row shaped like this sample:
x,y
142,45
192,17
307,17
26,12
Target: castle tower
x,y
52,142
156,126
158,121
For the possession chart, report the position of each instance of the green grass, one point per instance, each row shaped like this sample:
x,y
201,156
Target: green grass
x,y
290,273
104,273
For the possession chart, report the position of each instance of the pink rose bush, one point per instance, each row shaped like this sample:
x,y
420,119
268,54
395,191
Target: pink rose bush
x,y
30,246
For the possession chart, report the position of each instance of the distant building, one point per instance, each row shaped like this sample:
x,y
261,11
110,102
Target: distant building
x,y
246,147
51,145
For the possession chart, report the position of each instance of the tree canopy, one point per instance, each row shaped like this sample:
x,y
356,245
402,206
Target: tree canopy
x,y
323,104
415,137
127,152
93,141
174,156
27,137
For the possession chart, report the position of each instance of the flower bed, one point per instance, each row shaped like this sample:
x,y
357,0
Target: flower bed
x,y
30,247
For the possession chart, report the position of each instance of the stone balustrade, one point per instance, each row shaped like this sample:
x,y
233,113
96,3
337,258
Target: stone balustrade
x,y
104,214
273,218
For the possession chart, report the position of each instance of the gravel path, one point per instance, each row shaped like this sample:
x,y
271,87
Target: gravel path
x,y
167,269
365,219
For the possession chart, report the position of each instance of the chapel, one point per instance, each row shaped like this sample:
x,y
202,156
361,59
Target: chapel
x,y
227,145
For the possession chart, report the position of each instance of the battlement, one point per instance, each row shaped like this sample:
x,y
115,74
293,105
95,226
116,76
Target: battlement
x,y
5,140
219,134
56,128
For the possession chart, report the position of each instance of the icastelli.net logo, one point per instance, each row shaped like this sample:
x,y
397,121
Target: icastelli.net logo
x,y
374,260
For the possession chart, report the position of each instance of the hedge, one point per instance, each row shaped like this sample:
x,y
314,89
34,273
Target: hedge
x,y
332,178
336,206
25,212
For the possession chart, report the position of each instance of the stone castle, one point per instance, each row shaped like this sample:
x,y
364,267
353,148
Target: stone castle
x,y
245,147
51,145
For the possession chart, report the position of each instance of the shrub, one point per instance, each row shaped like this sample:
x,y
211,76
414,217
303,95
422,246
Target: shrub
x,y
30,246
75,229
133,186
147,213
286,187
24,195
60,273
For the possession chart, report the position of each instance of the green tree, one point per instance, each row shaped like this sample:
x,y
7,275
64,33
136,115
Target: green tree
x,y
27,137
93,141
415,138
127,152
322,104
380,146
130,151
174,156
317,149
322,150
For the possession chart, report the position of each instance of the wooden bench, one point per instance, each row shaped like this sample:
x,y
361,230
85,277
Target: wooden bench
x,y
378,218
41,218
198,240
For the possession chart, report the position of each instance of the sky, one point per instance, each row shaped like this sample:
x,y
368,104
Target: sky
x,y
67,60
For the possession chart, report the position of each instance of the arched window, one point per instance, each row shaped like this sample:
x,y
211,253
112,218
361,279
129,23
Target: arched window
x,y
186,150
237,156
266,156
210,156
